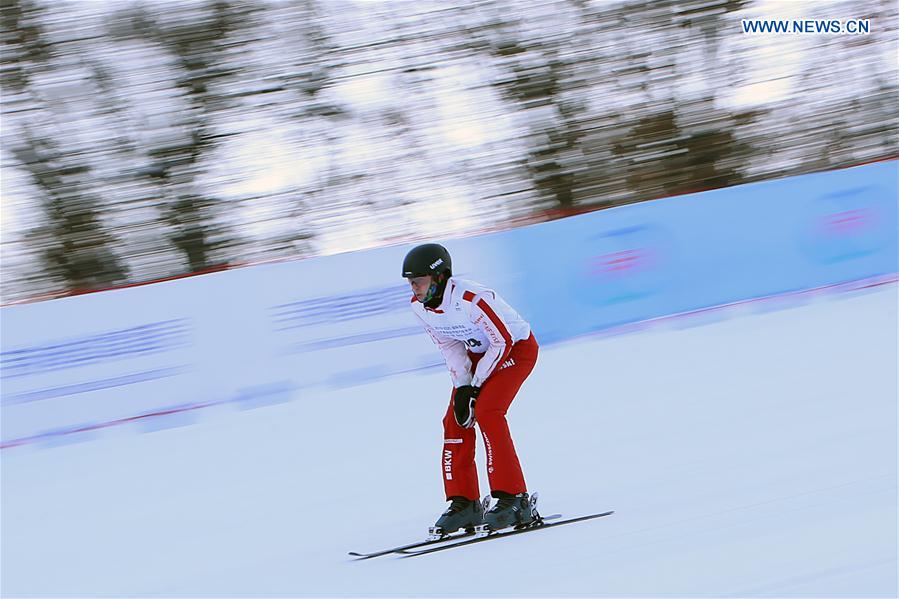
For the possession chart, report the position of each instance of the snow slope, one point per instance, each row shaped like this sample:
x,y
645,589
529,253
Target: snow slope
x,y
754,456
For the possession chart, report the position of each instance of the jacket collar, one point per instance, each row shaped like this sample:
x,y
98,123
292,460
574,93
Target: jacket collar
x,y
447,296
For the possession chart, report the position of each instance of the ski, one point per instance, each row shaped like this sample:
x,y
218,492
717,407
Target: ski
x,y
434,536
425,543
540,525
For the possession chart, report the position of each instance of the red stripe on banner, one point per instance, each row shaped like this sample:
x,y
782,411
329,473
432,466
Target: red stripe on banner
x,y
101,425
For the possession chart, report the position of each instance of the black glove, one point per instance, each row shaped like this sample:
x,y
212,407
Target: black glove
x,y
463,405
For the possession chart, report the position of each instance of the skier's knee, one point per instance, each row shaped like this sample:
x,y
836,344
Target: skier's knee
x,y
488,418
449,423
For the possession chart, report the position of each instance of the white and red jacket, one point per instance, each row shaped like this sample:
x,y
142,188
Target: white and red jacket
x,y
476,319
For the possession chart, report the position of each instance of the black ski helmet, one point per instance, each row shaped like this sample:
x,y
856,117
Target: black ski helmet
x,y
427,259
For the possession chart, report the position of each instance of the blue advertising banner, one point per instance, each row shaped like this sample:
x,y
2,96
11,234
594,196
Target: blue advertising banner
x,y
646,260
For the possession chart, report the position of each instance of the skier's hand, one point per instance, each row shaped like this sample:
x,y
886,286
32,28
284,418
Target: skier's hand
x,y
463,405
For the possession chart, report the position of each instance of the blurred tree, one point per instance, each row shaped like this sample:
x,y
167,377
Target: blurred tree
x,y
684,159
666,141
685,142
533,76
859,83
200,39
157,142
73,244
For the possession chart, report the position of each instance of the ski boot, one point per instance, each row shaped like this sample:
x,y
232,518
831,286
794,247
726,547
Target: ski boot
x,y
462,513
511,510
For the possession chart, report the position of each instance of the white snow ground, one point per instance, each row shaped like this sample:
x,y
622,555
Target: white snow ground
x,y
755,456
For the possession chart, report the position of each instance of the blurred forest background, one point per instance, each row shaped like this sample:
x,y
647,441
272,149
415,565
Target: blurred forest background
x,y
150,139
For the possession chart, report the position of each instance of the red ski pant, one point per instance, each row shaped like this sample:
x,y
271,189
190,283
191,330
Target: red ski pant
x,y
460,475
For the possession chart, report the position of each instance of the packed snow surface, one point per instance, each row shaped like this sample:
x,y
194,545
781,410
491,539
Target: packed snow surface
x,y
752,456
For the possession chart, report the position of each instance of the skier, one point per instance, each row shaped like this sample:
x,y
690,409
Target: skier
x,y
489,351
